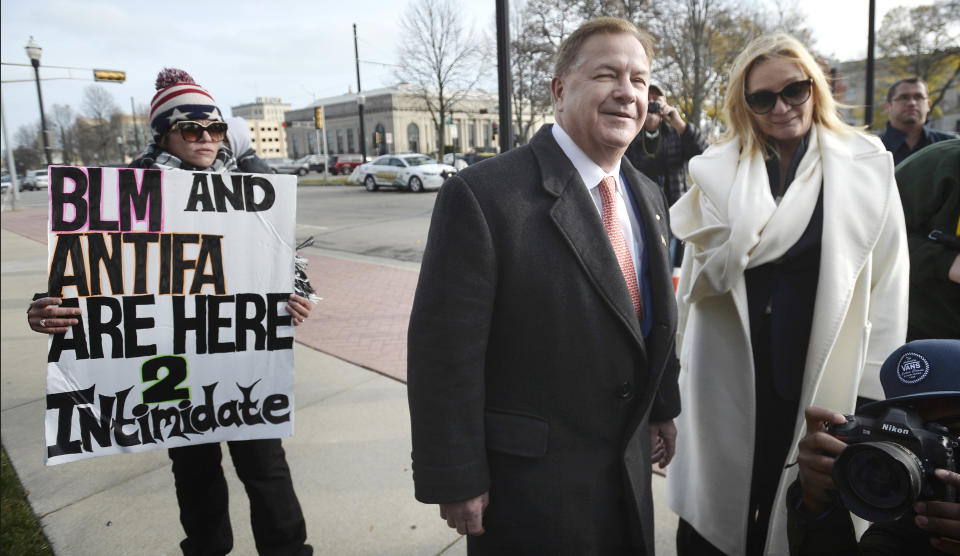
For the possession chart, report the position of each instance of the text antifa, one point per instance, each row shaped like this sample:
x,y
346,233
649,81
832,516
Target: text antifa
x,y
118,319
104,420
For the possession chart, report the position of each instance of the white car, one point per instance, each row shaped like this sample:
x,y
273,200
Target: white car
x,y
413,172
35,180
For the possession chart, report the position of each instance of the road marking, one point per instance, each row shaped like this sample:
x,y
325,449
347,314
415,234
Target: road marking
x,y
312,226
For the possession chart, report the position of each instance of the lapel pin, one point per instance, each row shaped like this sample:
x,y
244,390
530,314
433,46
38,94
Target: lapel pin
x,y
658,217
663,241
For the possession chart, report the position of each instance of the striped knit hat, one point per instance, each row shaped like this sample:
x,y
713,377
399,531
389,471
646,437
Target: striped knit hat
x,y
179,98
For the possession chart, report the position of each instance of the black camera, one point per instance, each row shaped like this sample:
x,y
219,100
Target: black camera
x,y
653,108
889,462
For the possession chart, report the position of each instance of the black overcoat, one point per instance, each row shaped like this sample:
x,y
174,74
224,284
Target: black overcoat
x,y
528,375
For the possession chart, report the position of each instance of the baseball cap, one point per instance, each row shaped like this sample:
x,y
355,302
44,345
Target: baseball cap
x,y
920,369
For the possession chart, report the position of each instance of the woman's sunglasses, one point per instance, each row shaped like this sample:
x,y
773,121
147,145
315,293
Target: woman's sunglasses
x,y
794,94
192,132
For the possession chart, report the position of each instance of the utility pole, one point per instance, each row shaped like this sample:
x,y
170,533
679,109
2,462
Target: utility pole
x,y
868,105
360,98
505,88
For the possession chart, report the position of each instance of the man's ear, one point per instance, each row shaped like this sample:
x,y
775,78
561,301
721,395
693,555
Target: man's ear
x,y
556,90
886,108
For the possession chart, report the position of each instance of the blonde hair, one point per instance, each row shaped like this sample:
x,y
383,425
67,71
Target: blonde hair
x,y
569,49
775,46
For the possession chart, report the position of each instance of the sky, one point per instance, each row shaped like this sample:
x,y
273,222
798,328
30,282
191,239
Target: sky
x,y
296,50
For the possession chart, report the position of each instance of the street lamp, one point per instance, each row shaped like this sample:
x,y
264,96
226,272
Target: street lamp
x,y
33,52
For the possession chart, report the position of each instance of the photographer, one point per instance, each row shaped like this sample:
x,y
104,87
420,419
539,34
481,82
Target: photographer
x,y
662,148
818,521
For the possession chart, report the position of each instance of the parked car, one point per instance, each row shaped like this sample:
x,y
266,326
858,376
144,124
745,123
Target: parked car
x,y
414,172
35,180
303,165
5,184
457,160
344,163
273,163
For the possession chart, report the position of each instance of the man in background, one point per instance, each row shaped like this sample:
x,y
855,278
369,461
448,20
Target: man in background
x,y
907,131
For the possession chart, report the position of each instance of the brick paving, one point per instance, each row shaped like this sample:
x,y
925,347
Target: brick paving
x,y
361,319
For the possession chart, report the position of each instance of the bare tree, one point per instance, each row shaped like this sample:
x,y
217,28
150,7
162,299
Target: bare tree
x,y
98,129
923,42
531,67
439,58
28,152
63,119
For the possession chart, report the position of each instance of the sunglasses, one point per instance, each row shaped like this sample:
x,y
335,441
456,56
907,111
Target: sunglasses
x,y
192,132
794,94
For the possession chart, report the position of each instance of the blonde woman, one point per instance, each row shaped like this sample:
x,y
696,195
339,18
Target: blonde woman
x,y
793,289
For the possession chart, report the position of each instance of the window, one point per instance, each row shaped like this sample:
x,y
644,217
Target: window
x,y
340,141
472,135
413,138
350,140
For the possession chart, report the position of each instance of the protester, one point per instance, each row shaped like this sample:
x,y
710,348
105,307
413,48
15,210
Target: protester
x,y
793,286
540,383
907,131
929,183
820,525
188,132
662,149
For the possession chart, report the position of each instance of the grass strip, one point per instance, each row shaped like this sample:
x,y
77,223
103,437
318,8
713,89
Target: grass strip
x,y
20,532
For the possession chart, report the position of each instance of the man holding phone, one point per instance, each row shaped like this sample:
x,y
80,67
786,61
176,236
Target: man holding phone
x,y
662,148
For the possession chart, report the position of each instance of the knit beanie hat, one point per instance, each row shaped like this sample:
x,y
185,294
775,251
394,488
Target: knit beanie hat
x,y
179,98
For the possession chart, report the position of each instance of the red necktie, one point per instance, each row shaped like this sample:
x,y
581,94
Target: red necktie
x,y
611,224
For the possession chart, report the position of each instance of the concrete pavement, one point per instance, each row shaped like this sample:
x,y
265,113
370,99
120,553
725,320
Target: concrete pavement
x,y
350,453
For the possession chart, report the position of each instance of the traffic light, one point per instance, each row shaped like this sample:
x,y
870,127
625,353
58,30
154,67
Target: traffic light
x,y
318,116
112,76
496,128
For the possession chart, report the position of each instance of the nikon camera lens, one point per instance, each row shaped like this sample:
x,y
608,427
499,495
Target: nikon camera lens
x,y
878,481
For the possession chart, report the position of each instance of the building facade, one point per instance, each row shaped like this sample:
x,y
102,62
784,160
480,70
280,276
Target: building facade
x,y
264,118
396,120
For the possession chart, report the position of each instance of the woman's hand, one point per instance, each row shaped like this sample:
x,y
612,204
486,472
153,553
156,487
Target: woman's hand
x,y
299,308
48,317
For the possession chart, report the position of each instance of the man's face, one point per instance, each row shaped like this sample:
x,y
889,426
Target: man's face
x,y
944,410
909,108
652,121
602,101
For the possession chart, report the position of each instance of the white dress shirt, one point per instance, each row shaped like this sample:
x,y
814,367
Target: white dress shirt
x,y
592,174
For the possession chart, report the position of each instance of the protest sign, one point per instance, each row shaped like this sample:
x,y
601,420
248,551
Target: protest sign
x,y
184,338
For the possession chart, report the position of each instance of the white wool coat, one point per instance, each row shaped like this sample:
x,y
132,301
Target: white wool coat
x,y
860,317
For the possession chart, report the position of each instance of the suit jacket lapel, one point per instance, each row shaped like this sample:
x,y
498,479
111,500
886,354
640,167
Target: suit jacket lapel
x,y
576,217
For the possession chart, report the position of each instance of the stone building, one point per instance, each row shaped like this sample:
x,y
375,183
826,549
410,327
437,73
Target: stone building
x,y
396,120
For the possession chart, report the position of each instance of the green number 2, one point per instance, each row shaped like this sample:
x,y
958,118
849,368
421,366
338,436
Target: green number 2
x,y
166,388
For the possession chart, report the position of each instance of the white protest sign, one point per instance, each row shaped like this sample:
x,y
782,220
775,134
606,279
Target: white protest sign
x,y
184,338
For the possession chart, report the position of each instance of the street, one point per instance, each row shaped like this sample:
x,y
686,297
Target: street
x,y
387,223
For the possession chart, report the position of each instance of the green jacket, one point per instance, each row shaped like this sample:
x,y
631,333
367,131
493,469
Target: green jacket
x,y
929,183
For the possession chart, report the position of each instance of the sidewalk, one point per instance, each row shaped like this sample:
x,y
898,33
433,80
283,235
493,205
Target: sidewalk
x,y
350,453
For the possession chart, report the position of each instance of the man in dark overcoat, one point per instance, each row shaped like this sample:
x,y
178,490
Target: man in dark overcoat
x,y
541,368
